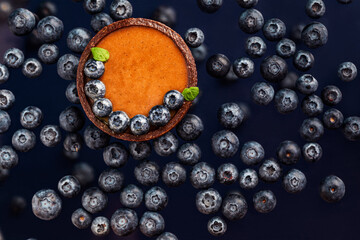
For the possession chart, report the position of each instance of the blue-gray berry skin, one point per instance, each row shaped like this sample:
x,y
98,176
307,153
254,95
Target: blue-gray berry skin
x,y
288,152
255,46
119,121
94,200
32,68
166,144
251,21
13,58
31,117
303,60
270,171
234,206
115,155
50,29
167,236
23,140
311,129
227,173
95,138
73,142
69,186
209,6
21,21
247,3
46,204
131,196
48,53
190,127
315,8
159,116
71,119
312,105
331,95
262,93
230,115
252,153
225,144
312,152
333,118
84,173
17,205
94,69
46,9
8,157
5,121
102,107
4,174
351,128
124,221
248,178
147,173
274,29
199,53
156,199
71,93
7,99
315,35
243,67
152,224
264,201
95,89
67,66
289,81
189,154
139,125
273,68
165,14
100,226
208,201
94,6
194,37
285,48
202,176
217,226
100,20
120,9
4,73
140,150
218,65
332,189
72,156
347,71
286,100
111,180
173,174
296,32
307,84
294,181
81,218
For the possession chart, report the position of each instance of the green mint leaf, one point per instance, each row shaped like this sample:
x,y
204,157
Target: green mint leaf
x,y
100,54
190,93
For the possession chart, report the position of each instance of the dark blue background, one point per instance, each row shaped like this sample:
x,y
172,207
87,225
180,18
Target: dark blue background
x,y
300,216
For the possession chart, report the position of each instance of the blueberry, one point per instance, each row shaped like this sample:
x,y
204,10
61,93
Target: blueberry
x,y
333,118
71,93
77,40
46,204
165,15
100,226
311,129
202,175
94,200
167,236
332,189
351,128
285,48
247,3
32,68
67,66
13,58
274,29
273,69
23,140
69,186
262,93
208,201
147,173
5,121
217,226
234,206
289,81
99,21
102,107
166,144
4,73
312,152
173,174
81,219
72,156
189,154
159,115
331,95
344,1
7,99
115,155
156,199
17,205
307,84
315,8
230,115
288,152
139,125
95,89
312,105
124,221
173,100
94,6
131,196
294,181
251,21
8,157
347,71
286,100
46,8
218,65
243,67
84,173
252,153
225,144
152,224
199,53
303,60
140,150
264,201
248,179
111,180
194,37
48,53
315,35
95,138
4,174
71,119
296,32
270,171
120,9
31,117
255,47
227,173
50,29
209,6
21,21
190,127
94,69
73,142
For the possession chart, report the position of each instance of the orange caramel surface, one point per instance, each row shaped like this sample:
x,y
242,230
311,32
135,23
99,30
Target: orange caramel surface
x,y
144,64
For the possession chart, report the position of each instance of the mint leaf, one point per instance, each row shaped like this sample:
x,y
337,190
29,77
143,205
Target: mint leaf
x,y
100,54
190,93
